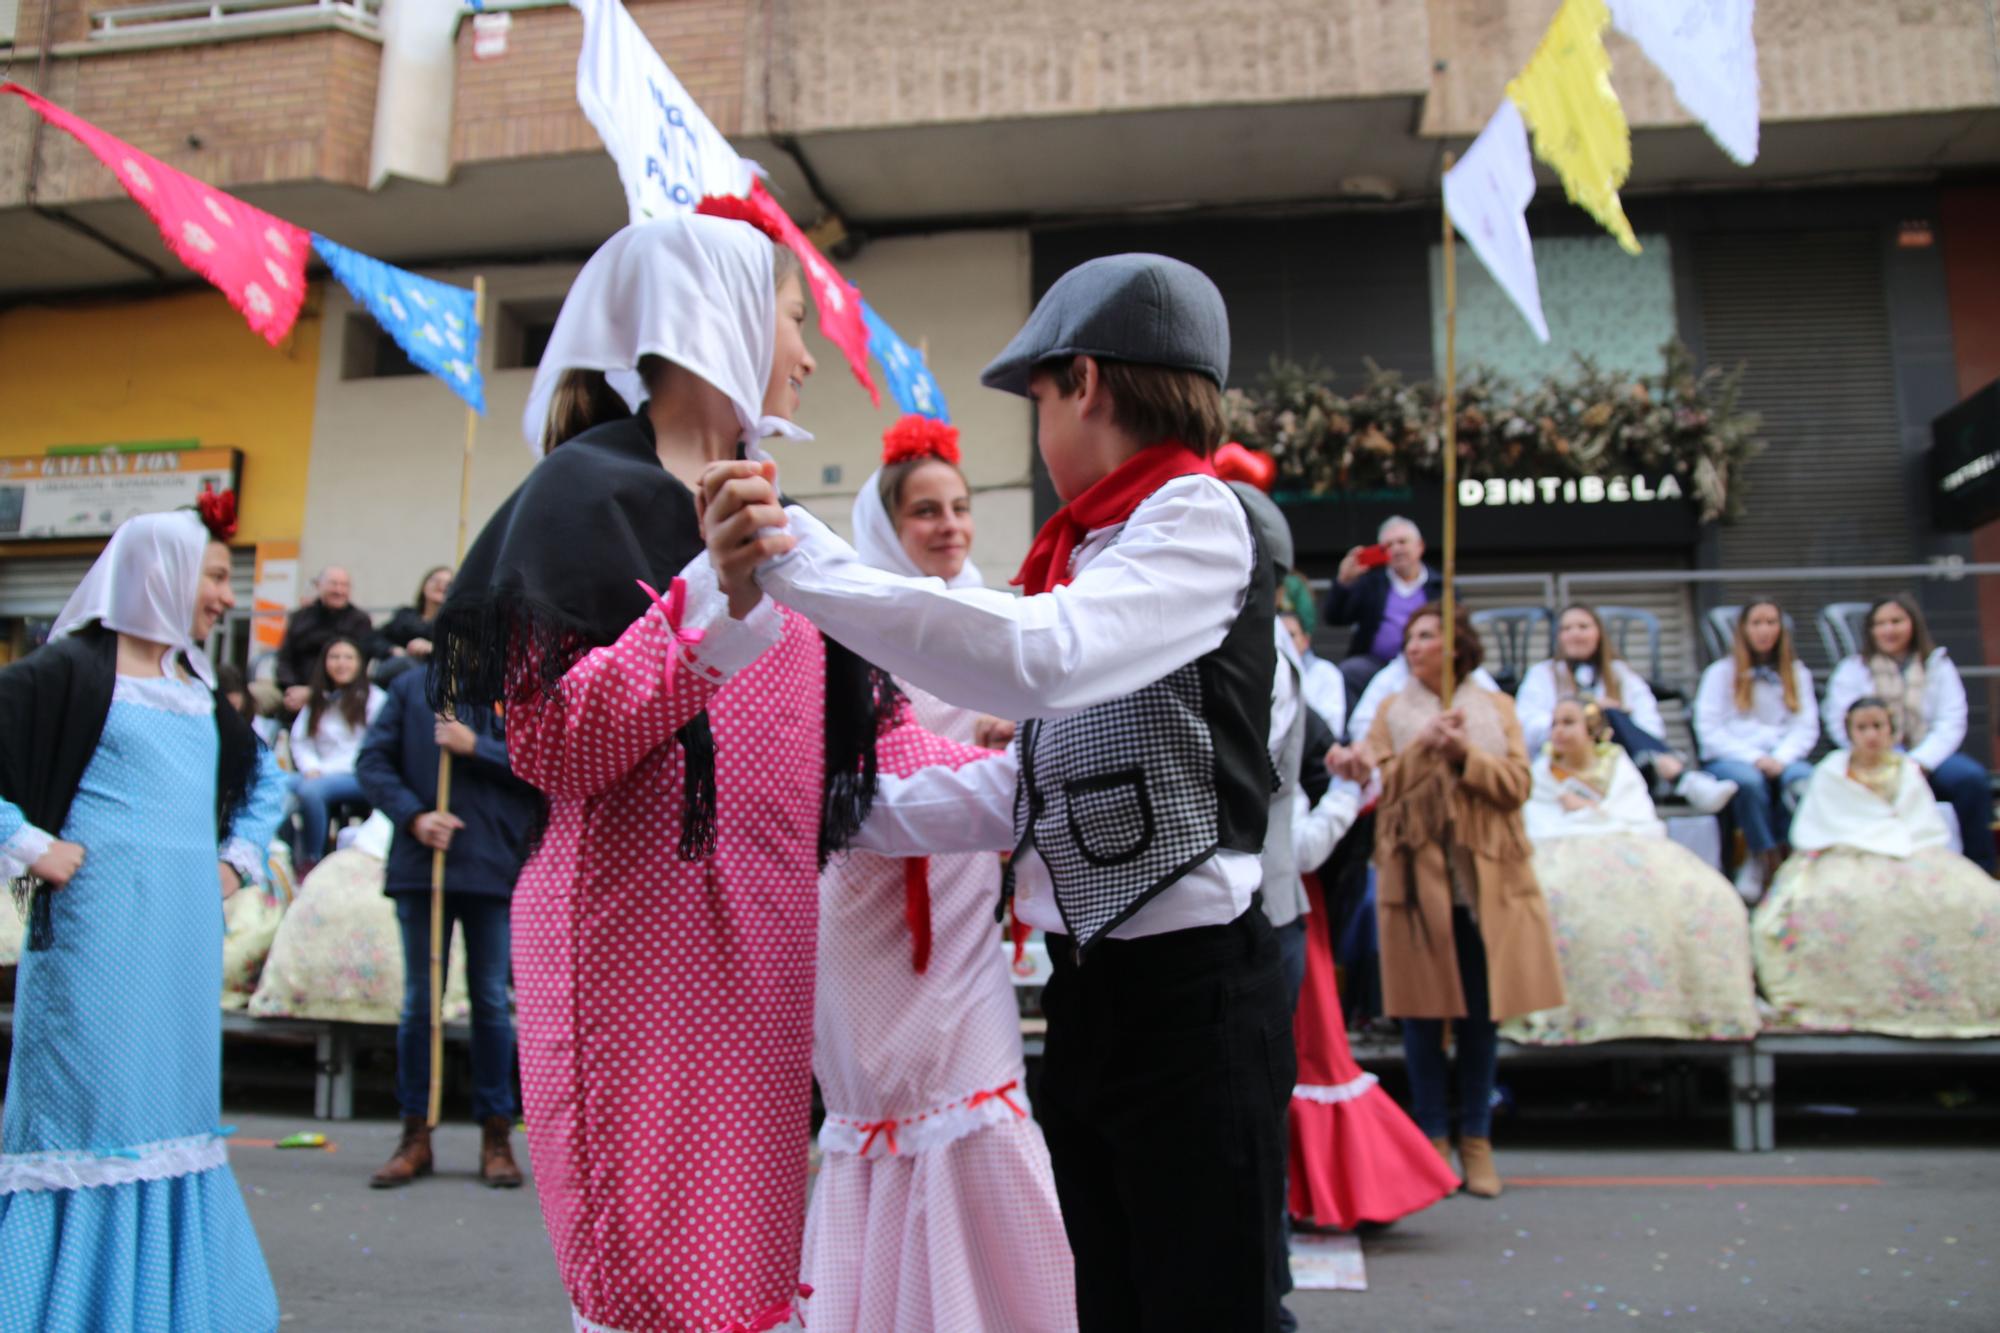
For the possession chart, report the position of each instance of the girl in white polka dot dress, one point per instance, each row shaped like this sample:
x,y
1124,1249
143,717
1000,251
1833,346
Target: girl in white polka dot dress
x,y
935,1210
130,797
694,773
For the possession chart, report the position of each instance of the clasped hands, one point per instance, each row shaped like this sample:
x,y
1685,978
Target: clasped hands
x,y
740,521
1443,735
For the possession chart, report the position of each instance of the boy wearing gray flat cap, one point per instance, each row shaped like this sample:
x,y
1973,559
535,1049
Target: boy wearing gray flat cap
x,y
1139,659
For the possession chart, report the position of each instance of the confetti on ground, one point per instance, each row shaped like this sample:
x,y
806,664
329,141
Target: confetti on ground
x,y
1328,1263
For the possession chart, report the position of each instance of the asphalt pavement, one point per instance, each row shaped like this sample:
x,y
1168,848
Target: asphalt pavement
x,y
1823,1239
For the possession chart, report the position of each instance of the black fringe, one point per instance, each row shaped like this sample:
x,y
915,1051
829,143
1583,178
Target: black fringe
x,y
862,702
698,777
41,918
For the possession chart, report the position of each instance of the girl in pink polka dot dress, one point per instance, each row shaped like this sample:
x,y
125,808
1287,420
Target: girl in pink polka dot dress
x,y
695,770
935,1209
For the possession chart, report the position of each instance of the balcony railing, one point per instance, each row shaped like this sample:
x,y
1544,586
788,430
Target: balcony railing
x,y
180,18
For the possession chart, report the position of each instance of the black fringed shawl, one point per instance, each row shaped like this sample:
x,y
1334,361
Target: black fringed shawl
x,y
554,574
53,704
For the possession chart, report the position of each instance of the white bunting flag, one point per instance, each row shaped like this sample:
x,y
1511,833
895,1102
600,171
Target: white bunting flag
x,y
669,154
1708,51
1487,195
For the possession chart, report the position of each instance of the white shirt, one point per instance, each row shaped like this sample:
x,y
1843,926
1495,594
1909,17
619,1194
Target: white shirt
x,y
1318,829
333,747
1407,586
1149,596
1943,705
1384,686
1767,729
1325,690
1537,700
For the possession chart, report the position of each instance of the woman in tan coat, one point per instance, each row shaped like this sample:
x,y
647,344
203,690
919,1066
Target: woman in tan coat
x,y
1464,932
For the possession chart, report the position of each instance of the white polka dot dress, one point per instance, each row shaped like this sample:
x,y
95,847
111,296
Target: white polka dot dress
x,y
118,1210
665,1006
935,1210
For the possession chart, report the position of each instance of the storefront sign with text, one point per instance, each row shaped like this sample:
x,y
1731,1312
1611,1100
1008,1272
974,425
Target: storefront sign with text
x,y
88,494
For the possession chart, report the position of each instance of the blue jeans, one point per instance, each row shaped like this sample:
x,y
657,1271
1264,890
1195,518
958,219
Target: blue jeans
x,y
1962,783
1759,807
315,797
1478,1044
488,950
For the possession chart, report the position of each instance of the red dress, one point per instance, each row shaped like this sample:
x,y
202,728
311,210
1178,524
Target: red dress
x,y
1355,1156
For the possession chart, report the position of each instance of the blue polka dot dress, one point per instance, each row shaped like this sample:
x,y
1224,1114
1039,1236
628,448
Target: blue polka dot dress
x,y
118,1210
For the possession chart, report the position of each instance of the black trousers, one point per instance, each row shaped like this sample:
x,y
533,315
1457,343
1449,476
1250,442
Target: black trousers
x,y
1165,1078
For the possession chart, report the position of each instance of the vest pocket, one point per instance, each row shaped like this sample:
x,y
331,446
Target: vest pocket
x,y
1110,816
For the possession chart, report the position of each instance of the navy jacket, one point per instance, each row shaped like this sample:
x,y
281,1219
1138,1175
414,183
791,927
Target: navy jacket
x,y
1362,603
397,768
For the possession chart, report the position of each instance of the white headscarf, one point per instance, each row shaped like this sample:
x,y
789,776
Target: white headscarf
x,y
694,290
146,584
875,539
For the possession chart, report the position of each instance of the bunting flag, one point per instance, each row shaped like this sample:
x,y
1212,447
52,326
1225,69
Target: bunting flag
x,y
1566,97
1487,195
669,154
258,261
911,383
1708,51
435,323
839,301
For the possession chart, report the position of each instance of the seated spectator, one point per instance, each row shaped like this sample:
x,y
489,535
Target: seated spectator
x,y
1653,942
1588,668
406,639
1387,684
310,627
1874,924
1755,721
1321,685
1377,590
325,738
1900,664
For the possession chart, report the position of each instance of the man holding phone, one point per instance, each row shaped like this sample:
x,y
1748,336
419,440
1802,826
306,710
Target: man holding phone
x,y
1376,590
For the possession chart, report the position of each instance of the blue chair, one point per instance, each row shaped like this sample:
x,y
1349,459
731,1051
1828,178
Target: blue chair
x,y
1509,635
1843,628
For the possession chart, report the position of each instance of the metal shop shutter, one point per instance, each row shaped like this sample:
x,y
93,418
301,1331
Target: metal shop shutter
x,y
36,588
1808,313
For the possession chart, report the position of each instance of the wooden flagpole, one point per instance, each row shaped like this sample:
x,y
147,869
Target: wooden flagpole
x,y
444,755
1450,444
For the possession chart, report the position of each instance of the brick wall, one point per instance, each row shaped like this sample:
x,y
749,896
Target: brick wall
x,y
523,104
284,108
841,64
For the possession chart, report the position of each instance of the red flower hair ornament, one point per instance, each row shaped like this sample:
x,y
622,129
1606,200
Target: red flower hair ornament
x,y
917,437
741,210
218,512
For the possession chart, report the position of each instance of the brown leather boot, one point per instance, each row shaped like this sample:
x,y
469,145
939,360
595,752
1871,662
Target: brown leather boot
x,y
496,1155
411,1159
1475,1159
1443,1147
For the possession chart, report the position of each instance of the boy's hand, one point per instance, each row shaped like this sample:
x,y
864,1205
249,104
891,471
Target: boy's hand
x,y
738,499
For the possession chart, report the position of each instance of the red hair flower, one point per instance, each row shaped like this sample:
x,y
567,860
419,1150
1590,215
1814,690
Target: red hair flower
x,y
218,512
917,437
742,210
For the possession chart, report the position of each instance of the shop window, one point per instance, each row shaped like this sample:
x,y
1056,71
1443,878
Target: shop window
x,y
523,334
1617,309
369,353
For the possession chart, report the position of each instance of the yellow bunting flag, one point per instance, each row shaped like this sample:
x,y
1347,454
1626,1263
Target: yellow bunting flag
x,y
1565,95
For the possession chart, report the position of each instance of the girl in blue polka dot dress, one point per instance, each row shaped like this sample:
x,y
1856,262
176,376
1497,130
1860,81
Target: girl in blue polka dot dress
x,y
130,795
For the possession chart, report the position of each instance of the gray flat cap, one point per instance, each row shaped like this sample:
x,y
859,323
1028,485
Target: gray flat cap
x,y
1274,533
1144,308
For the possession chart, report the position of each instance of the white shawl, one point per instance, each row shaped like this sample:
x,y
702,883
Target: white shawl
x,y
1840,812
1626,808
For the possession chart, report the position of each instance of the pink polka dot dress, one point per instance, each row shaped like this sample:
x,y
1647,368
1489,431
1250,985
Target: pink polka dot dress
x,y
665,1005
935,1209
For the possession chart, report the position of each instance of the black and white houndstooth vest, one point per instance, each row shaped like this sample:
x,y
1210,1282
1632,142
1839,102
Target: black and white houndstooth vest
x,y
1123,799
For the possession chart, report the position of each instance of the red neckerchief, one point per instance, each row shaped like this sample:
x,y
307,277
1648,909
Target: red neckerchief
x,y
1109,502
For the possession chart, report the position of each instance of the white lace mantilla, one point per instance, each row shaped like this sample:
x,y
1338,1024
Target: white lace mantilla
x,y
926,1130
1338,1092
23,1173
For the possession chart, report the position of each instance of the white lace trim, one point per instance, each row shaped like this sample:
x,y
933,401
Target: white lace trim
x,y
22,1173
240,854
795,1319
166,694
926,1130
1338,1092
27,846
